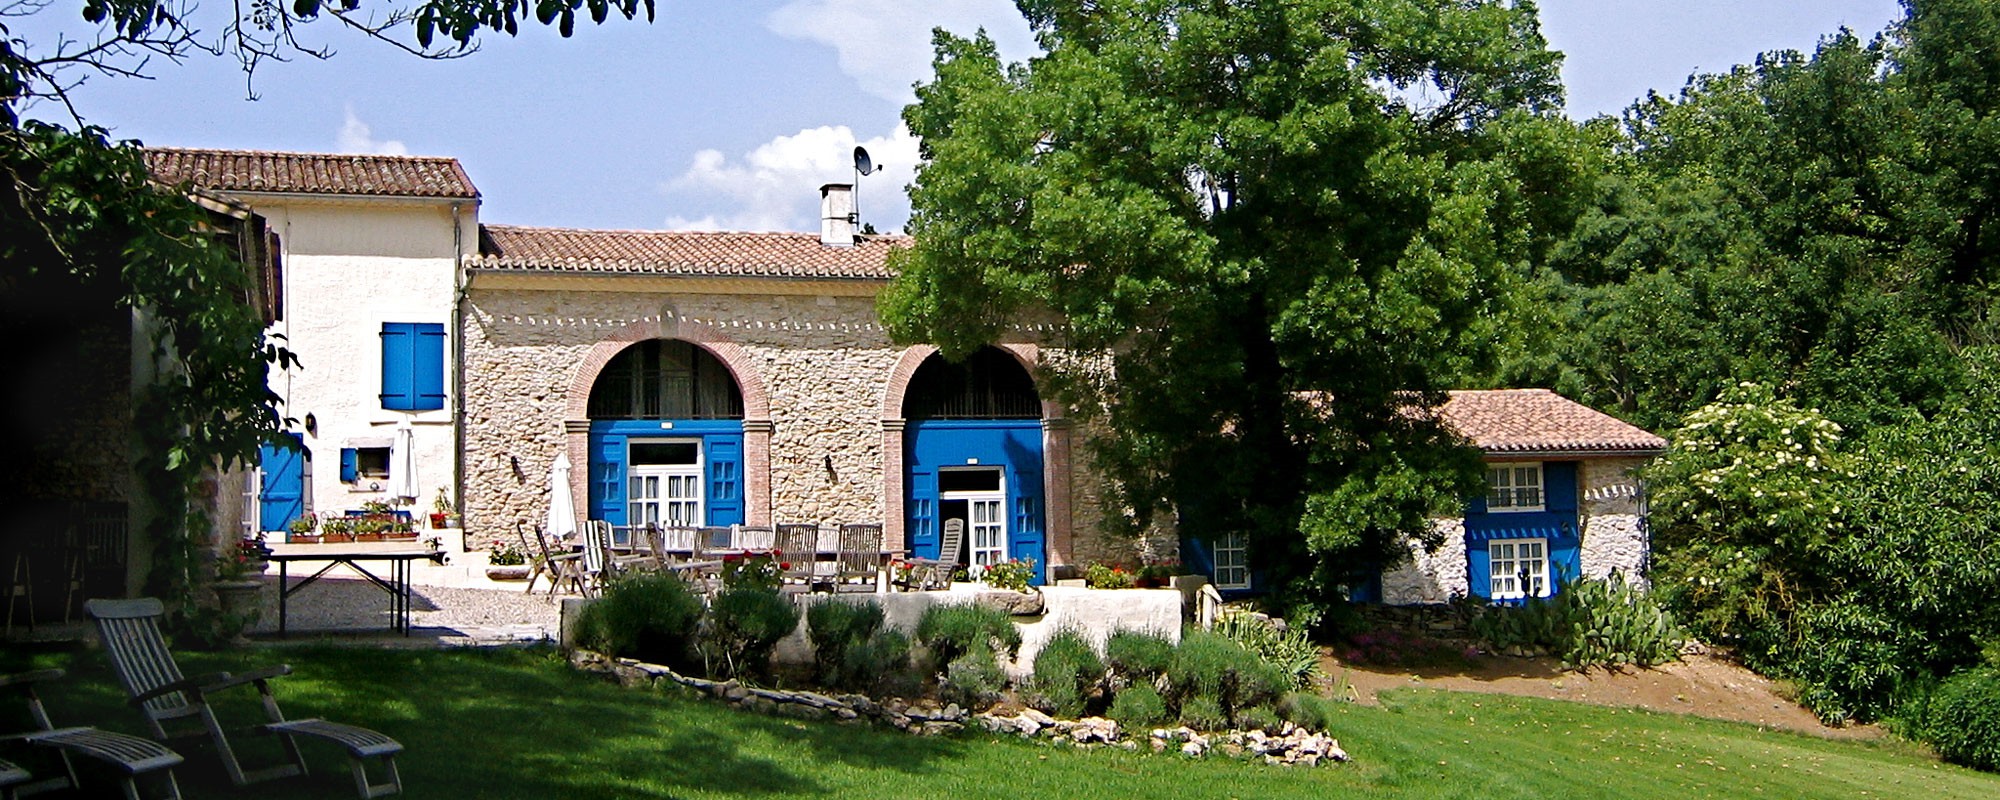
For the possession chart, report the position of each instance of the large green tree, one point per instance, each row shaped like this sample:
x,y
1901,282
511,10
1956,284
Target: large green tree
x,y
1817,222
1282,223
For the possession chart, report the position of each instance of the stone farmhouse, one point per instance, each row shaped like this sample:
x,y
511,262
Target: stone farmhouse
x,y
744,378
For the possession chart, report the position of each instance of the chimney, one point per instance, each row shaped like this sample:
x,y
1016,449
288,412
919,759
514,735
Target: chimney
x,y
836,215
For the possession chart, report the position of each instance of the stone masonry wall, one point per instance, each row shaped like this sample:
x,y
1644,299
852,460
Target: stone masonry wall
x,y
1614,527
824,361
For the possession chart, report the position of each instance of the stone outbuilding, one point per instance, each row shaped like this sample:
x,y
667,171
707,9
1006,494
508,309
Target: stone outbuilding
x,y
1562,501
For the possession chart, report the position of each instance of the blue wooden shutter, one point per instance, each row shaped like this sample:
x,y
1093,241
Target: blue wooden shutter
x,y
412,366
1478,570
922,526
350,465
427,367
725,478
398,349
607,477
1559,481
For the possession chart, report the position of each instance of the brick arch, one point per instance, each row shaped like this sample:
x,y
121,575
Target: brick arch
x,y
1056,479
1028,355
741,365
749,379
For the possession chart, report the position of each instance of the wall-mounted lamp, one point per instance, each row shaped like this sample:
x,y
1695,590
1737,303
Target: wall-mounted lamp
x,y
312,425
519,475
831,475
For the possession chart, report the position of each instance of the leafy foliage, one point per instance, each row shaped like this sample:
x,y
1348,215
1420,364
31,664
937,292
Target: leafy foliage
x,y
1315,204
1291,651
1138,656
652,617
1066,674
1210,668
742,626
1138,707
835,627
952,630
973,679
1962,719
1588,623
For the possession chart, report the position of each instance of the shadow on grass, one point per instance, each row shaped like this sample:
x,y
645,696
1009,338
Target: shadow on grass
x,y
503,723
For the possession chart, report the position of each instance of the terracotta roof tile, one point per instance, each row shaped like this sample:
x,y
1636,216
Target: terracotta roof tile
x,y
689,254
1523,421
312,173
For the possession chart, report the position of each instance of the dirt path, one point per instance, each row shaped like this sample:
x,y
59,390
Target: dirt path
x,y
1700,685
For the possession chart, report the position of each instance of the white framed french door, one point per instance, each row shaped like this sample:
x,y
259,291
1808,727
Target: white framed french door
x,y
663,482
980,495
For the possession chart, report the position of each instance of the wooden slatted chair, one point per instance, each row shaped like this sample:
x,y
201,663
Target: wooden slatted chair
x,y
562,568
753,537
131,756
800,545
858,562
130,633
928,574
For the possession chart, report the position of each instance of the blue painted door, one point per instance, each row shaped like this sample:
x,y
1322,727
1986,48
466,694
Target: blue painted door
x,y
281,490
722,452
1013,445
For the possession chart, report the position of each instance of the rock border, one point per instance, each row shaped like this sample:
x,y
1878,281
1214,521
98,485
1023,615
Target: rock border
x,y
1291,745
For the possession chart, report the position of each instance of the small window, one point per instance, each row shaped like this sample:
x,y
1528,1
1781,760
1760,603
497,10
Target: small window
x,y
666,454
1520,568
364,464
969,480
1514,487
1232,562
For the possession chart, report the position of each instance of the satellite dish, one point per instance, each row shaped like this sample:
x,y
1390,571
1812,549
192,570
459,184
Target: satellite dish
x,y
862,163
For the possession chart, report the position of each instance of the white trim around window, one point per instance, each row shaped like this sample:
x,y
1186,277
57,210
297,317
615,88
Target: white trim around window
x,y
1514,487
1232,561
1518,568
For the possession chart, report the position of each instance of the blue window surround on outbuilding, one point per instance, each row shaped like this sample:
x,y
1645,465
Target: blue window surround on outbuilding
x,y
1014,445
1556,522
412,366
1198,558
722,464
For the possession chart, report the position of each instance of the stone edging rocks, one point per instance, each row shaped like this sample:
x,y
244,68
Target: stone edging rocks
x,y
1291,745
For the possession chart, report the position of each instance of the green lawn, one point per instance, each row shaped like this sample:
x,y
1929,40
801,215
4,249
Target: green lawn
x,y
514,723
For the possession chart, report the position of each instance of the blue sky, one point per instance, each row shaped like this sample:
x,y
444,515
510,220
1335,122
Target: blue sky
x,y
729,115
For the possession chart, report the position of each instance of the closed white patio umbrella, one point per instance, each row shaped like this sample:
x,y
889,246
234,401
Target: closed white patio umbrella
x,y
562,506
403,463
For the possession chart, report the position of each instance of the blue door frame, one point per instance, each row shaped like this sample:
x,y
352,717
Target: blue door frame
x,y
721,452
1014,445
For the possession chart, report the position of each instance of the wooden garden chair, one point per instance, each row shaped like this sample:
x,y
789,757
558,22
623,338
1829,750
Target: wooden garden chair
x,y
564,567
799,544
131,756
130,633
858,562
927,574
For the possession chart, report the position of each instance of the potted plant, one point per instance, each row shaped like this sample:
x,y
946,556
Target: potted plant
x,y
303,529
440,509
506,561
337,529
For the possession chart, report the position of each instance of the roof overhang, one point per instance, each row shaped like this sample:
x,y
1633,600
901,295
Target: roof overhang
x,y
488,278
1566,455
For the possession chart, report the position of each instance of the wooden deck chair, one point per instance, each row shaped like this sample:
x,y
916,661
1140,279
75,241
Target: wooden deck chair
x,y
928,574
753,537
130,633
561,567
800,545
858,562
131,756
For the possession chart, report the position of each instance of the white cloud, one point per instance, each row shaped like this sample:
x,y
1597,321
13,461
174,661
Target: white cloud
x,y
356,137
885,45
776,186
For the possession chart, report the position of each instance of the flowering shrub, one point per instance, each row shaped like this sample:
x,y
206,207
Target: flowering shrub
x,y
1159,569
1106,576
1391,648
242,559
505,554
754,570
1014,573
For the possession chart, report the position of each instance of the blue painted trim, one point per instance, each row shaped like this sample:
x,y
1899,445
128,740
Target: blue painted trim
x,y
722,456
1013,445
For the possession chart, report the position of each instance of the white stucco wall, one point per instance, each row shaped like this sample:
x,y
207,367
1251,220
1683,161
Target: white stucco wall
x,y
350,266
1613,539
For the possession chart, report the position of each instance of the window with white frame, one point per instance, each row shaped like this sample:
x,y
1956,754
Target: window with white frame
x,y
1514,487
1232,562
1520,568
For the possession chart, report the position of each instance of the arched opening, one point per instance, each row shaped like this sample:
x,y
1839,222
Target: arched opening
x,y
973,451
666,438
